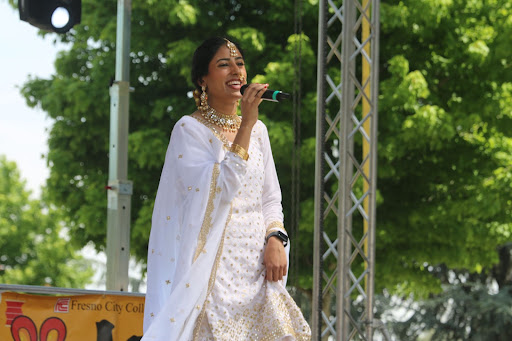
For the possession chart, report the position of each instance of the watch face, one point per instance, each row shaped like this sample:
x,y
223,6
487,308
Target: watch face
x,y
282,236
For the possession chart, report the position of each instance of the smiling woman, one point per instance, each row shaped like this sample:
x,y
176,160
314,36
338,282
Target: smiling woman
x,y
218,250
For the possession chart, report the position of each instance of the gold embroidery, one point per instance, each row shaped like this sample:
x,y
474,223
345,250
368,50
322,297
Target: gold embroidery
x,y
168,218
211,281
180,156
207,222
167,282
276,225
218,135
269,320
173,320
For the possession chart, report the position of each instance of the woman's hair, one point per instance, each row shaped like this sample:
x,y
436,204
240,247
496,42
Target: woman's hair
x,y
203,56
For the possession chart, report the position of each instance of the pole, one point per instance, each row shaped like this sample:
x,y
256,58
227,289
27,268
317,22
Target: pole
x,y
119,188
316,326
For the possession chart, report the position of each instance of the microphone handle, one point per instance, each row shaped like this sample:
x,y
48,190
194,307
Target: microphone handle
x,y
270,95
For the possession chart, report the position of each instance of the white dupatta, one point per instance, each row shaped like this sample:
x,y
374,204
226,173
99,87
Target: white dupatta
x,y
192,208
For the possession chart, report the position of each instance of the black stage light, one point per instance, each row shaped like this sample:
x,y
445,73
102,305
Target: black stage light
x,y
51,15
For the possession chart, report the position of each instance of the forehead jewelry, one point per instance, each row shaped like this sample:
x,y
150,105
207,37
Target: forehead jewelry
x,y
232,48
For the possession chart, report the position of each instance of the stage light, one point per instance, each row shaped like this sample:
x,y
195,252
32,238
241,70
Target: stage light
x,y
51,15
60,17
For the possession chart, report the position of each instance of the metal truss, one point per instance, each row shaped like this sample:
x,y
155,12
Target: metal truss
x,y
346,170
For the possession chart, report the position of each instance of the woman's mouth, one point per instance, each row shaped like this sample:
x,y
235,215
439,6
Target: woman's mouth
x,y
235,84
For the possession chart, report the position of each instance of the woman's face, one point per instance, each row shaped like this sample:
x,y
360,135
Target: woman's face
x,y
226,75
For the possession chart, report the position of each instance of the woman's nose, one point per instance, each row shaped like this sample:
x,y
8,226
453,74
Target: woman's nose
x,y
235,68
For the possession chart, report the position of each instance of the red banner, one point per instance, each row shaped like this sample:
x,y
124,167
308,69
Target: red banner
x,y
72,318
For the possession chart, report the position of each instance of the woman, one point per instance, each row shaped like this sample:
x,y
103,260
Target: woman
x,y
217,260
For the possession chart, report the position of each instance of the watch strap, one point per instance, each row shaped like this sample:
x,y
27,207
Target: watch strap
x,y
279,234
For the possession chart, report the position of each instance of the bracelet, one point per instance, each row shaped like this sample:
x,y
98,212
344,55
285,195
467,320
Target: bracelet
x,y
274,229
275,225
240,151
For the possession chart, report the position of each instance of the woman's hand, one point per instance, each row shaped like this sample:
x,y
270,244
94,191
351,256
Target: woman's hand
x,y
250,102
275,260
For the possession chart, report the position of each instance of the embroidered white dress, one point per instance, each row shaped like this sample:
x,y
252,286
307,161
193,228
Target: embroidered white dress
x,y
215,288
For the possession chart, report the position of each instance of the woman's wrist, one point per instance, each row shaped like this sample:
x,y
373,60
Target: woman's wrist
x,y
243,136
240,151
280,235
247,123
275,241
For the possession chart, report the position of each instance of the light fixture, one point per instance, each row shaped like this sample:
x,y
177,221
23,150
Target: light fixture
x,y
51,15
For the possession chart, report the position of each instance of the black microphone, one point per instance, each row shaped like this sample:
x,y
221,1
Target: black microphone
x,y
269,95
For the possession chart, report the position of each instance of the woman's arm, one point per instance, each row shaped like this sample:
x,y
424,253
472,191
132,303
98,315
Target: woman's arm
x,y
275,258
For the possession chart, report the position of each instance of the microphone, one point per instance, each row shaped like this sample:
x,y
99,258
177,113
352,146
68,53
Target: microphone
x,y
269,95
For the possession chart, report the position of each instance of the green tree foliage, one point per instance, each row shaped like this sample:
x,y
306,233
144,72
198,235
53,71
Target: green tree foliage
x,y
462,312
471,307
32,250
445,147
77,99
445,117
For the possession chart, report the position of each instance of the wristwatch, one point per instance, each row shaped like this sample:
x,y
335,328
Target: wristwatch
x,y
280,235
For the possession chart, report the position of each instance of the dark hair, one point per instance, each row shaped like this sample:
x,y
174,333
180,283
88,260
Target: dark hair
x,y
203,56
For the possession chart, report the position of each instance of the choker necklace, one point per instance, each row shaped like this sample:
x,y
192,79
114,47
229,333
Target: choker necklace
x,y
229,123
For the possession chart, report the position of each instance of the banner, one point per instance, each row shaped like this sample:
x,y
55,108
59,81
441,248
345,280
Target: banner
x,y
72,318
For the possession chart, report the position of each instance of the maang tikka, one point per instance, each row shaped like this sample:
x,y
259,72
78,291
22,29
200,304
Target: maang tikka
x,y
232,48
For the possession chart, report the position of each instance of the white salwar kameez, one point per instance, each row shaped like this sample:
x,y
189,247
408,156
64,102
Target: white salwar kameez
x,y
206,278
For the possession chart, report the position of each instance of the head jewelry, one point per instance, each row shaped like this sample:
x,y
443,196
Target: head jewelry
x,y
232,48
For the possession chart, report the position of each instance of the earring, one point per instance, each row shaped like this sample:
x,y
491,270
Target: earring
x,y
204,97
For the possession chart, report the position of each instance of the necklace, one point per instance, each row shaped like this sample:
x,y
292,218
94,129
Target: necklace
x,y
213,128
229,123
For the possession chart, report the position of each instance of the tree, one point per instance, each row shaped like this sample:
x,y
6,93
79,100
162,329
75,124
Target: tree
x,y
445,165
445,116
77,98
32,249
472,306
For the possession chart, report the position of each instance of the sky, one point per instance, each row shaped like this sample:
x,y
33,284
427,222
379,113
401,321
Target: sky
x,y
23,132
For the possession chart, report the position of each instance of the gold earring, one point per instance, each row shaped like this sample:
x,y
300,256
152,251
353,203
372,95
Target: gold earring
x,y
204,97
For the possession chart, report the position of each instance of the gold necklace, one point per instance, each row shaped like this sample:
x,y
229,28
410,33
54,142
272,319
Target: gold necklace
x,y
229,123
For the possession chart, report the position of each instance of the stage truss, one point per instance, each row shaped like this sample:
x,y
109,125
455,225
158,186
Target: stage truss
x,y
346,170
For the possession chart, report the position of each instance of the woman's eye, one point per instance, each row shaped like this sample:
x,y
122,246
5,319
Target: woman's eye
x,y
240,64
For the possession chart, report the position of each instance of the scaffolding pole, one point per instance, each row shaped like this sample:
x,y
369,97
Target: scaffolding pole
x,y
346,170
